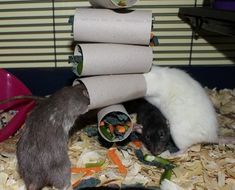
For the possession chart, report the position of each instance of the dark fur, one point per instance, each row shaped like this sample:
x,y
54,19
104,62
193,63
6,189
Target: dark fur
x,y
155,132
42,149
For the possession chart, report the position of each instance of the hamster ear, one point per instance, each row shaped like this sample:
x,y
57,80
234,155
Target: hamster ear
x,y
85,93
138,128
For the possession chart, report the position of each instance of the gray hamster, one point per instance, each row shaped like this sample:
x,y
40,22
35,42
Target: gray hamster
x,y
42,148
155,133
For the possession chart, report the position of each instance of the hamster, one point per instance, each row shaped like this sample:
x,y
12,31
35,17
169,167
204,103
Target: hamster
x,y
155,133
42,148
185,104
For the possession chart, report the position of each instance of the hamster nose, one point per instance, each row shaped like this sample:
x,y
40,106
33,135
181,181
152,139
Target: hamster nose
x,y
158,150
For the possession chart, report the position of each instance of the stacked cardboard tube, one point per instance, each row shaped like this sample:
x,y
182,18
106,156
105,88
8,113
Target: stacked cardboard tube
x,y
112,54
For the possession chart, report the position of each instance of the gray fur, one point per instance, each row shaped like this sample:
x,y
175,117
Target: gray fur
x,y
42,149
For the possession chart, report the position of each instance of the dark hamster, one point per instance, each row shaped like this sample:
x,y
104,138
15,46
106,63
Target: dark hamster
x,y
155,133
42,149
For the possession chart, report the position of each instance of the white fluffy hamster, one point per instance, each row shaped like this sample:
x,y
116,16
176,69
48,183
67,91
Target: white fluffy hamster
x,y
185,104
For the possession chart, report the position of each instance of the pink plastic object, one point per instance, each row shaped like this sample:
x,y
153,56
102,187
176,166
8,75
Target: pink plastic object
x,y
11,86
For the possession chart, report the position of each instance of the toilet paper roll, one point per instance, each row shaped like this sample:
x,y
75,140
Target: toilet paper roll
x,y
104,25
102,59
113,89
112,4
114,109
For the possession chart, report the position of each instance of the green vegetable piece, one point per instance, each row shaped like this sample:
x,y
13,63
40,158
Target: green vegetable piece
x,y
106,133
156,160
95,164
79,68
166,175
151,158
126,127
77,62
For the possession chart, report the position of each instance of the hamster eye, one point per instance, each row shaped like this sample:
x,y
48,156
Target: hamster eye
x,y
147,137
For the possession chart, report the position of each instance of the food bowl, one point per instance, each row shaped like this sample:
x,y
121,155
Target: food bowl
x,y
11,86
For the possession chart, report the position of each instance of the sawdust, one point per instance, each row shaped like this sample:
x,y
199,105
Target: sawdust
x,y
201,167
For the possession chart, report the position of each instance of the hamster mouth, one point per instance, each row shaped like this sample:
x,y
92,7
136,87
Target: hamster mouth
x,y
159,151
161,147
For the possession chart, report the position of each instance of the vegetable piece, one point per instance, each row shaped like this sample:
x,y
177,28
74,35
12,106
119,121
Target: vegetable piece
x,y
137,143
96,164
151,158
166,175
116,160
85,170
121,129
159,161
106,133
75,184
122,3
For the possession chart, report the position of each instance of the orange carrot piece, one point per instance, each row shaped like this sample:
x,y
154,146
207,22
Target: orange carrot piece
x,y
75,184
121,129
137,143
116,160
87,173
85,170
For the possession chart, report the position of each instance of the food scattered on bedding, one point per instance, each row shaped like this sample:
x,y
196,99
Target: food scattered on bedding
x,y
201,167
5,117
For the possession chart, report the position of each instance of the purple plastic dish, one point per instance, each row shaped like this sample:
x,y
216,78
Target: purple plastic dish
x,y
224,5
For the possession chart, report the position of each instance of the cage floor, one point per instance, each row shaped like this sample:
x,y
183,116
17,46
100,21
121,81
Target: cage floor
x,y
201,167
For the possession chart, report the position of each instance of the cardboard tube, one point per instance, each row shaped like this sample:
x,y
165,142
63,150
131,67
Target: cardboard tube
x,y
111,4
113,89
102,59
104,25
114,108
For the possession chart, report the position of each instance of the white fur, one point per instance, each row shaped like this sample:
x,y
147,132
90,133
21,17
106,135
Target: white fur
x,y
185,104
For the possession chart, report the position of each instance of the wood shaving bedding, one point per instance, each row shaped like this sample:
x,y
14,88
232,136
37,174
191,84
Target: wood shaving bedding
x,y
201,167
5,117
